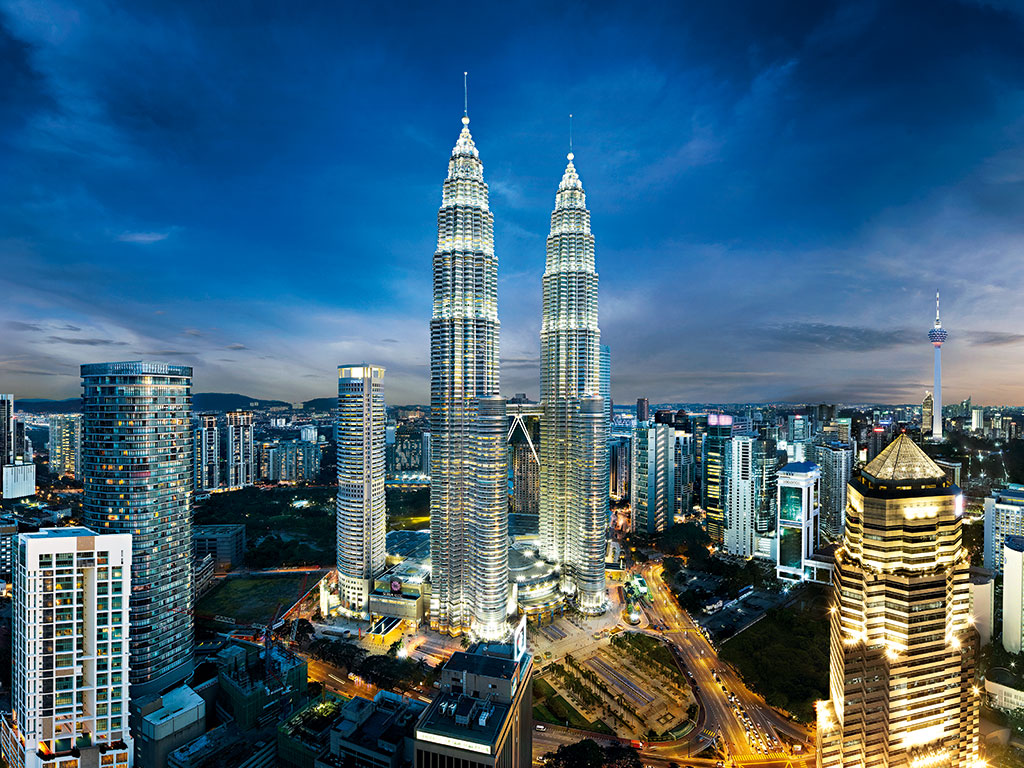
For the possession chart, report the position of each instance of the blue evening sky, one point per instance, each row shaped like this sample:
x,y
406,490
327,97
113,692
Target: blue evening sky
x,y
777,189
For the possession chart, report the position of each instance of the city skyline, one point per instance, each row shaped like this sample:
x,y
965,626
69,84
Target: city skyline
x,y
202,268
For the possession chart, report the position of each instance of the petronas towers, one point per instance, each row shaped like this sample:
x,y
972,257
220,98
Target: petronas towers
x,y
468,496
468,492
574,428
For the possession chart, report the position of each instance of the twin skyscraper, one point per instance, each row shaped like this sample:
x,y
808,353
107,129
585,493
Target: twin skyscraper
x,y
469,477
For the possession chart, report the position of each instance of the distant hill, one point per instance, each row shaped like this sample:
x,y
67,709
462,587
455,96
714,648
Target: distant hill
x,y
201,401
36,405
321,404
222,401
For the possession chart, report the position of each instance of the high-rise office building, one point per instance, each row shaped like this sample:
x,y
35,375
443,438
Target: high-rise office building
x,y
652,484
70,637
308,433
740,481
713,450
480,717
425,452
836,462
207,453
798,428
468,515
978,420
903,652
137,471
239,450
7,450
766,482
1004,517
288,461
1013,594
619,449
937,335
361,516
685,468
798,495
17,470
573,445
524,458
65,438
927,409
643,409
878,438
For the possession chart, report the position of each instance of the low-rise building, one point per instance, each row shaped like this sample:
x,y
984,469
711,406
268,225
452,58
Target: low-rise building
x,y
161,724
305,736
374,734
225,747
225,542
1005,689
259,686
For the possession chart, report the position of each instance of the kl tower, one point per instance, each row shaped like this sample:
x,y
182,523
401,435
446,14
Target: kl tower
x,y
936,336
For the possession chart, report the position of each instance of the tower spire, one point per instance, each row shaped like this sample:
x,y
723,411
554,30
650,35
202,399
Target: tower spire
x,y
938,323
570,136
465,97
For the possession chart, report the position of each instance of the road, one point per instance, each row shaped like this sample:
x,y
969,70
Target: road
x,y
701,659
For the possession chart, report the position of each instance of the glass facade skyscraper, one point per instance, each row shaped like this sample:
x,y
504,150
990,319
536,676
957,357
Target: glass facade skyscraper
x,y
239,450
361,516
137,472
573,441
468,497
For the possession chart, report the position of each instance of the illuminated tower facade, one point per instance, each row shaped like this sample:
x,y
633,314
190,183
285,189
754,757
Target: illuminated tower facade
x,y
361,517
137,471
903,649
574,430
468,497
937,335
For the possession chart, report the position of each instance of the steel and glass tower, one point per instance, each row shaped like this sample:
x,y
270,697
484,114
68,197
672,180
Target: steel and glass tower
x,y
937,335
137,471
468,497
574,429
361,518
903,649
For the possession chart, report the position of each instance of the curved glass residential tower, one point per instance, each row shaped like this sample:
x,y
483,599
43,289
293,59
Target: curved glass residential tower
x,y
137,470
361,517
468,514
574,429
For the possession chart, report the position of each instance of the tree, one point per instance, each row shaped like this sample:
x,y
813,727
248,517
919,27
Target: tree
x,y
582,754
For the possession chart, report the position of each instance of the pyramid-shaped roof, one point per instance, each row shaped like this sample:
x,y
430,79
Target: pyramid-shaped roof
x,y
903,459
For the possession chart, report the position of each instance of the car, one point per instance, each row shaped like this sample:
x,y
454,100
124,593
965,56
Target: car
x,y
539,727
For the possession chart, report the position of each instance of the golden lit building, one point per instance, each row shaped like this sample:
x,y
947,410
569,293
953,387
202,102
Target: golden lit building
x,y
903,647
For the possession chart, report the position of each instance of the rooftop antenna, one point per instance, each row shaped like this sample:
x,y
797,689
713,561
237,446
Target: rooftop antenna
x,y
570,136
465,97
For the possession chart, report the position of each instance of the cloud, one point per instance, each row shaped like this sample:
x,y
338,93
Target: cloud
x,y
811,337
520,362
17,325
68,327
86,342
143,238
994,338
236,346
389,341
192,332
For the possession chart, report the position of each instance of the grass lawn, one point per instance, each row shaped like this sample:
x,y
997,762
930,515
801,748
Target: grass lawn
x,y
252,599
542,689
557,710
